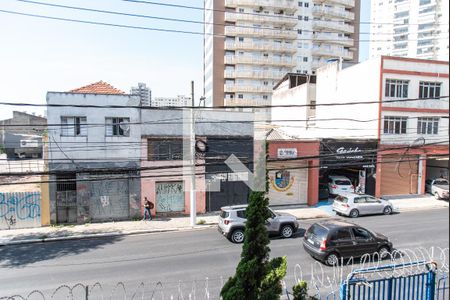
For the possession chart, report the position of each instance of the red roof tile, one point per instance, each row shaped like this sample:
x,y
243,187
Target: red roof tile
x,y
100,87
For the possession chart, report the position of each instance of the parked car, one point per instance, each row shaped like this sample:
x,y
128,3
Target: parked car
x,y
232,223
329,241
355,205
339,184
324,194
437,187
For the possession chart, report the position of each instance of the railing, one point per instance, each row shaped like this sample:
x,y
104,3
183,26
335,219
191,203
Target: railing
x,y
262,18
333,52
333,26
246,102
254,74
269,33
333,39
22,166
285,62
333,12
230,88
346,3
287,5
271,47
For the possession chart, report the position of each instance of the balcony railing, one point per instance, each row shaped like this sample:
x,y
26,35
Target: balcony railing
x,y
346,3
267,33
333,12
270,47
264,19
234,88
283,62
246,102
332,39
286,5
254,74
333,26
333,53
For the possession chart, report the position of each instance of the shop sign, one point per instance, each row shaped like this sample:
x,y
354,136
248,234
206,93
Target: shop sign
x,y
349,153
287,153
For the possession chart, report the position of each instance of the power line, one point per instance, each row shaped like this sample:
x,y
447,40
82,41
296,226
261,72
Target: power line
x,y
237,12
151,28
329,166
169,19
222,107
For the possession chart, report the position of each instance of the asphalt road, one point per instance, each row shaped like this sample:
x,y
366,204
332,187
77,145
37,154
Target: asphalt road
x,y
189,257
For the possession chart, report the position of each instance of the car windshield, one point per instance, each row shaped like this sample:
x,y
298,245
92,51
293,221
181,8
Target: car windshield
x,y
317,231
342,182
441,181
341,199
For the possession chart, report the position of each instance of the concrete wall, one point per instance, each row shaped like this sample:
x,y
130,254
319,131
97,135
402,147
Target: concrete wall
x,y
96,145
359,83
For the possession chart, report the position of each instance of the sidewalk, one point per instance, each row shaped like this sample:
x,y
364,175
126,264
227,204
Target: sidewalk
x,y
56,233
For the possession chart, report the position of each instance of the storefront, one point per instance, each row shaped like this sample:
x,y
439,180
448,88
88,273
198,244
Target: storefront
x,y
354,159
293,172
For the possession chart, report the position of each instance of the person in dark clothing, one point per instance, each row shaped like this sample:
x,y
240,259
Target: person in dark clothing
x,y
148,206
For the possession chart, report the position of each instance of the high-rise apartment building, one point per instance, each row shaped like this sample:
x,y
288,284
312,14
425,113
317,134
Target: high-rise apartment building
x,y
250,45
410,28
143,92
172,101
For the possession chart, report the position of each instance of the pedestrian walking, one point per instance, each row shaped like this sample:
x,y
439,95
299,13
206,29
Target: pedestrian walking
x,y
148,206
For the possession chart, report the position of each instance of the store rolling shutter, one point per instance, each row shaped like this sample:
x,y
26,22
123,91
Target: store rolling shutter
x,y
399,178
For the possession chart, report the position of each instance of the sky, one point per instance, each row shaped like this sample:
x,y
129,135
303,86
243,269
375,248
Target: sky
x,y
40,55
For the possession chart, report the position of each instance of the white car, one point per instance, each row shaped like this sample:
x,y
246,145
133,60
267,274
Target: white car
x,y
340,185
355,205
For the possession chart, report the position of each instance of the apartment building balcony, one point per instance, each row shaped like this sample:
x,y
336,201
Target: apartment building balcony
x,y
333,26
317,64
289,21
254,74
322,11
332,39
237,88
262,33
332,53
250,60
246,102
346,3
266,47
285,5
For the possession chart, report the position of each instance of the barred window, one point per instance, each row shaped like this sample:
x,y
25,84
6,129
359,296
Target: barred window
x,y
429,89
427,125
73,126
165,149
396,88
395,125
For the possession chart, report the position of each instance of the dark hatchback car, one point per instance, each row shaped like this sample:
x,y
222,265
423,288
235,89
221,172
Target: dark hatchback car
x,y
329,241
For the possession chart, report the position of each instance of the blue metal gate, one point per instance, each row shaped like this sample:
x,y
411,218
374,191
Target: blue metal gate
x,y
412,281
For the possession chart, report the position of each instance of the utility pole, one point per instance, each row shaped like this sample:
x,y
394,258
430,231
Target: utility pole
x,y
193,206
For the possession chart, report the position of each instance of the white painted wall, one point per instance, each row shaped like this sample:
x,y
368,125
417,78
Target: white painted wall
x,y
96,146
359,83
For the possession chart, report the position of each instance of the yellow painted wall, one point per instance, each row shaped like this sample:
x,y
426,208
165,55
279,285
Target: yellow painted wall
x,y
45,201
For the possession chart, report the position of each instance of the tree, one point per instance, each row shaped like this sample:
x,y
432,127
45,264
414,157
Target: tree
x,y
257,277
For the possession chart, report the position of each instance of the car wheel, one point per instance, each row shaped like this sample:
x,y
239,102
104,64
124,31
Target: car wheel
x,y
287,231
387,210
436,196
332,259
354,213
383,252
237,236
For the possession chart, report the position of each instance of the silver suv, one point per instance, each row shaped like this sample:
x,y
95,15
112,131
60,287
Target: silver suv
x,y
232,223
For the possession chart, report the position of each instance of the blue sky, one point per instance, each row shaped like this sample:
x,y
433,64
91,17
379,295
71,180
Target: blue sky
x,y
38,55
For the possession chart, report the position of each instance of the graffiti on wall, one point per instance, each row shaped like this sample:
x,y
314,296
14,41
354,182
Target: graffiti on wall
x,y
20,210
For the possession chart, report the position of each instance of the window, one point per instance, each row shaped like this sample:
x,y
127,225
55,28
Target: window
x,y
300,4
300,18
396,88
165,149
117,127
241,214
299,31
343,234
361,234
73,126
240,96
306,4
395,125
359,200
427,125
429,89
306,18
305,59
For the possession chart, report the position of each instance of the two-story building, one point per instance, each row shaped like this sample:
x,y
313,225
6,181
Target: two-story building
x,y
94,154
384,120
